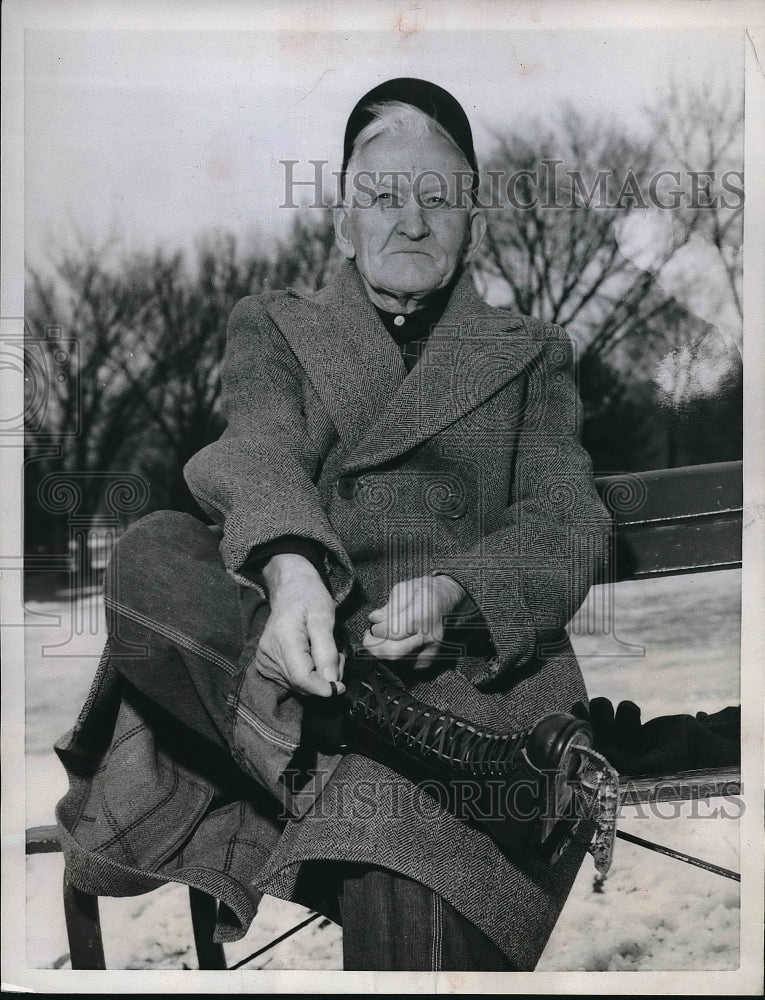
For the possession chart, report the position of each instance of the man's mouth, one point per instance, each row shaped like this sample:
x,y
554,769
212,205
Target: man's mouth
x,y
407,250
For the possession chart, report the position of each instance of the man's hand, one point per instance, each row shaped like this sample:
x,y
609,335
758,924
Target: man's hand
x,y
297,648
413,619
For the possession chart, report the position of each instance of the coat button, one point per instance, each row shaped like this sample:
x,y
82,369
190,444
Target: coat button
x,y
346,487
455,508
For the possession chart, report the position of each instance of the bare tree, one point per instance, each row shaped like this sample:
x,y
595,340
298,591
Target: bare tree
x,y
700,131
553,246
177,376
632,243
583,188
140,393
308,258
91,411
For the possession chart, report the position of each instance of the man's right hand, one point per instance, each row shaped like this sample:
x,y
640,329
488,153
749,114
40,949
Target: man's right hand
x,y
297,648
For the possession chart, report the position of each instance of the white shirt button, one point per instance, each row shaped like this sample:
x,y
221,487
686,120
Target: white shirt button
x,y
399,321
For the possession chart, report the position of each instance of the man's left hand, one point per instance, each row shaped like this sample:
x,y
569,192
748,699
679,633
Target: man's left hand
x,y
412,622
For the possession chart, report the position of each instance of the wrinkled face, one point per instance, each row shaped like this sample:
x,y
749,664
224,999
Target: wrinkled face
x,y
411,222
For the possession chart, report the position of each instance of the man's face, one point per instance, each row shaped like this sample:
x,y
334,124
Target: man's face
x,y
412,222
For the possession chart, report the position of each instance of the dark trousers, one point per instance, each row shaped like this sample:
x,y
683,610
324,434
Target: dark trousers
x,y
180,628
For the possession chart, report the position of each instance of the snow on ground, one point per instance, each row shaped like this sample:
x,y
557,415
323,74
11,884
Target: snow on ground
x,y
654,912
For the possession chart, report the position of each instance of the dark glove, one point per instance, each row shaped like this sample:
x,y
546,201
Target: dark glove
x,y
666,744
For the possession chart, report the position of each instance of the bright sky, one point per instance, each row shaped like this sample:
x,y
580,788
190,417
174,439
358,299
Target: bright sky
x,y
163,135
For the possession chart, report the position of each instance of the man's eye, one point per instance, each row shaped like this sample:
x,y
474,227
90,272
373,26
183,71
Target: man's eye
x,y
434,201
388,199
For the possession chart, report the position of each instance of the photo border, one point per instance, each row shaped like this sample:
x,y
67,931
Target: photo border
x,y
346,16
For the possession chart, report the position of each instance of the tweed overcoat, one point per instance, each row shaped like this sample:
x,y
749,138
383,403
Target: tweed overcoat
x,y
469,465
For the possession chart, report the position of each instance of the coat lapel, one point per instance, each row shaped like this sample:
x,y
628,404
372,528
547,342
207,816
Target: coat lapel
x,y
473,351
357,371
352,362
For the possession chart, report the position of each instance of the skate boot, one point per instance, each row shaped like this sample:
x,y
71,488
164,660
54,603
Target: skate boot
x,y
524,788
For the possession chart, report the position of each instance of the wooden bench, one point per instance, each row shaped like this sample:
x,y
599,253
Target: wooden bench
x,y
667,522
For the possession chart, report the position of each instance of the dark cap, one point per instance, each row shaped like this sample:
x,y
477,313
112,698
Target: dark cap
x,y
428,97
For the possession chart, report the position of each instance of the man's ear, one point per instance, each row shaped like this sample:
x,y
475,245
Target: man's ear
x,y
477,233
341,220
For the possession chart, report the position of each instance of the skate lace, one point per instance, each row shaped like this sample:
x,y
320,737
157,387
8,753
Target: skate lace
x,y
439,735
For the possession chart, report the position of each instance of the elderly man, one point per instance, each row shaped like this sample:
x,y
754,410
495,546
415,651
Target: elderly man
x,y
400,480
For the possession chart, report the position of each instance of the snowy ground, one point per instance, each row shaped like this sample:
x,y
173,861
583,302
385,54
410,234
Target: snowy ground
x,y
654,913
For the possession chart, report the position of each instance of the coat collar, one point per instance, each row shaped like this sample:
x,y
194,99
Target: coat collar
x,y
357,371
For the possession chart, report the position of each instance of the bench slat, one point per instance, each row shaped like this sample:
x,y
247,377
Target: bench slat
x,y
671,549
665,494
43,840
673,521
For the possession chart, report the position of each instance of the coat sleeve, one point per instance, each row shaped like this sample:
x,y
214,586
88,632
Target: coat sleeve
x,y
259,479
529,576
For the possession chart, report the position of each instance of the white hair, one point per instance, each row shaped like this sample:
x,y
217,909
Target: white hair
x,y
400,120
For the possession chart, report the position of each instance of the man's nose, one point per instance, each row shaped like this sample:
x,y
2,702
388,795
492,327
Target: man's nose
x,y
411,220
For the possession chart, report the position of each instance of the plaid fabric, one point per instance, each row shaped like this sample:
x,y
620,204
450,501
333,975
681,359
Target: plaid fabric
x,y
469,465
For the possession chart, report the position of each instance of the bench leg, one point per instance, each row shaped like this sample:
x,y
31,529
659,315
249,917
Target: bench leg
x,y
204,913
83,928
